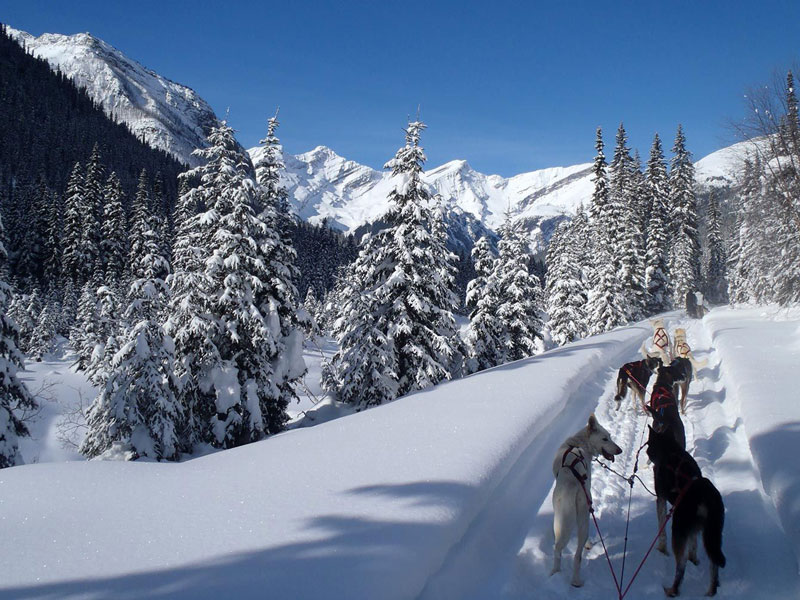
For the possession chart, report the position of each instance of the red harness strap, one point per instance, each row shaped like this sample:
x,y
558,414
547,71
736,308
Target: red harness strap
x,y
578,460
635,365
661,398
661,339
683,349
682,479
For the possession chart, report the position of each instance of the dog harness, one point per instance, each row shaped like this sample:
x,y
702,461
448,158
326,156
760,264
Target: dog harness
x,y
680,475
661,339
661,398
683,349
577,459
635,365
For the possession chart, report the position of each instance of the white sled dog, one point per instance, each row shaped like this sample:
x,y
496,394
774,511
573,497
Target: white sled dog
x,y
572,469
681,349
661,344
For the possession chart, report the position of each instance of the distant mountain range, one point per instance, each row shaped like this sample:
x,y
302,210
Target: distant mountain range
x,y
324,185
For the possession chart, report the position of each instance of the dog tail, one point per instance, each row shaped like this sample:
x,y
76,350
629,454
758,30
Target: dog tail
x,y
622,385
712,531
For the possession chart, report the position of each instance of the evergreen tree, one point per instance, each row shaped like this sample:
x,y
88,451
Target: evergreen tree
x,y
685,259
114,243
53,249
91,215
486,336
24,310
238,350
142,221
43,339
605,307
104,335
566,294
71,265
137,410
14,396
80,335
625,238
521,303
715,271
658,233
400,299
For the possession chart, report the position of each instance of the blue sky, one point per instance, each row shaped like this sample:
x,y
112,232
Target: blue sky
x,y
509,86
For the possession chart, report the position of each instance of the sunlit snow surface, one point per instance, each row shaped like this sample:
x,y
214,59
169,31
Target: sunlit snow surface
x,y
441,494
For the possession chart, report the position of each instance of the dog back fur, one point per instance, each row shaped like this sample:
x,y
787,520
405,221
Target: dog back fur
x,y
698,507
635,376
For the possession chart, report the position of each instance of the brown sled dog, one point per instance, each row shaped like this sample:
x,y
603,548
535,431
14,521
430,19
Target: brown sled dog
x,y
635,376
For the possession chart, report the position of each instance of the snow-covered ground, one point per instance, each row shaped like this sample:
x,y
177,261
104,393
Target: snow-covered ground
x,y
442,494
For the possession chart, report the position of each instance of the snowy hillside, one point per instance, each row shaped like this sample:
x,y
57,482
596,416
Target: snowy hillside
x,y
167,115
442,494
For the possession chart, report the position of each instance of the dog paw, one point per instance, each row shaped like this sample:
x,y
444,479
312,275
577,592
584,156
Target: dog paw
x,y
694,560
555,570
577,583
588,545
663,549
671,592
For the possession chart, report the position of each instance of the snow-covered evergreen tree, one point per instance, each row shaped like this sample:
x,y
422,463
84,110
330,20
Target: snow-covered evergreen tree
x,y
685,257
137,411
24,309
606,306
104,335
43,339
91,216
71,266
715,265
521,297
14,396
486,336
237,348
566,293
657,284
403,280
85,318
114,242
625,238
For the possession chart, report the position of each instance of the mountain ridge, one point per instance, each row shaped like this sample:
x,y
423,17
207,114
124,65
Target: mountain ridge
x,y
324,185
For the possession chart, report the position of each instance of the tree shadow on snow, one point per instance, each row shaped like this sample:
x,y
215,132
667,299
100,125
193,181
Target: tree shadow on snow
x,y
351,558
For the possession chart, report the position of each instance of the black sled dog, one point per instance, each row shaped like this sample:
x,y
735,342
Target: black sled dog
x,y
698,508
681,372
635,376
664,407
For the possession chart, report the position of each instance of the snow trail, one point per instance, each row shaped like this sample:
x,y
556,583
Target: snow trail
x,y
759,553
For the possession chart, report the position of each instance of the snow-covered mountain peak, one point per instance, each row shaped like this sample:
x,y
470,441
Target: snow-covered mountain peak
x,y
165,114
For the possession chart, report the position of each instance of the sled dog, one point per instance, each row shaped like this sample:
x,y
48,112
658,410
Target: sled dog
x,y
698,508
572,469
682,349
661,345
635,376
681,372
663,407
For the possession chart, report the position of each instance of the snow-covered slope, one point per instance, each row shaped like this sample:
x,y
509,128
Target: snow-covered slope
x,y
167,115
444,494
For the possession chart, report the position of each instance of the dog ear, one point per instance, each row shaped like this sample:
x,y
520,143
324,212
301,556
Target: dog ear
x,y
592,422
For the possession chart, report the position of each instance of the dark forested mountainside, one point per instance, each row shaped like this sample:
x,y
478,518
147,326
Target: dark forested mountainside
x,y
47,124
